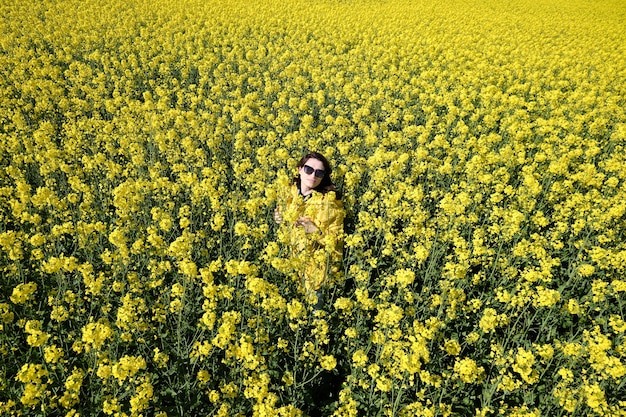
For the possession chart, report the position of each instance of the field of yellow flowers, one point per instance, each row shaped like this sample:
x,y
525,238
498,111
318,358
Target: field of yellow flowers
x,y
481,148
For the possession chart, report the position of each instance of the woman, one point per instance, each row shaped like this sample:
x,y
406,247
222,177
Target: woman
x,y
312,214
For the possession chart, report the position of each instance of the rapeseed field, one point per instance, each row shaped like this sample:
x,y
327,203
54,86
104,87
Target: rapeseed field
x,y
480,147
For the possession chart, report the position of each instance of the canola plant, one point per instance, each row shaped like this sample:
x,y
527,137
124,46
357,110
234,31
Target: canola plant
x,y
480,147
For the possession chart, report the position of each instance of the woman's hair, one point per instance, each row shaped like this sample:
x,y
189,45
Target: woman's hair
x,y
326,184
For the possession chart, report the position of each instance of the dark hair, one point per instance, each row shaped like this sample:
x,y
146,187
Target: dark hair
x,y
326,184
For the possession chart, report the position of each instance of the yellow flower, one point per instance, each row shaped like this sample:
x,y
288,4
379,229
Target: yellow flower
x,y
452,347
472,338
595,398
35,336
245,354
546,297
586,270
241,229
226,331
344,304
508,383
127,367
52,354
404,277
295,309
599,289
73,384
619,285
161,217
468,371
160,358
490,320
351,332
23,293
523,365
142,396
203,376
214,396
32,373
545,351
34,376
573,307
389,316
181,247
383,384
37,239
359,358
111,406
617,323
328,362
188,267
288,379
217,222
95,334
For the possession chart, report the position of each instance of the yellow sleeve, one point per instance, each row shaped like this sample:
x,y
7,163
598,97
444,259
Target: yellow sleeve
x,y
329,220
291,205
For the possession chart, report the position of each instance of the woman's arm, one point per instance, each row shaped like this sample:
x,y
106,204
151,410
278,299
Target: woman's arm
x,y
329,223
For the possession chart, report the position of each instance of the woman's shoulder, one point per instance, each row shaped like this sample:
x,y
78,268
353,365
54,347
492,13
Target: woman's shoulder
x,y
329,198
292,190
333,197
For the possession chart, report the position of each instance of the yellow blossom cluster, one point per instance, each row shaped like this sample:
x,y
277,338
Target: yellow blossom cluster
x,y
481,150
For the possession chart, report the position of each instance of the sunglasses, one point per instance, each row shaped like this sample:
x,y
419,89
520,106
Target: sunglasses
x,y
319,173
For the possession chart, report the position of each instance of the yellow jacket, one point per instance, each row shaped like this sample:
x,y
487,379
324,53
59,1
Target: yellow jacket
x,y
316,255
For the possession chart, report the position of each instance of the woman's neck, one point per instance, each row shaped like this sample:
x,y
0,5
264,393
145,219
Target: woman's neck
x,y
305,191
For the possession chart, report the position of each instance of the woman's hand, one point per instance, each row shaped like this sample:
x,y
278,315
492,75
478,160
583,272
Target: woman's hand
x,y
278,216
307,223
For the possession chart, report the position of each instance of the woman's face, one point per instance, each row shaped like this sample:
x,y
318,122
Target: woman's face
x,y
308,177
